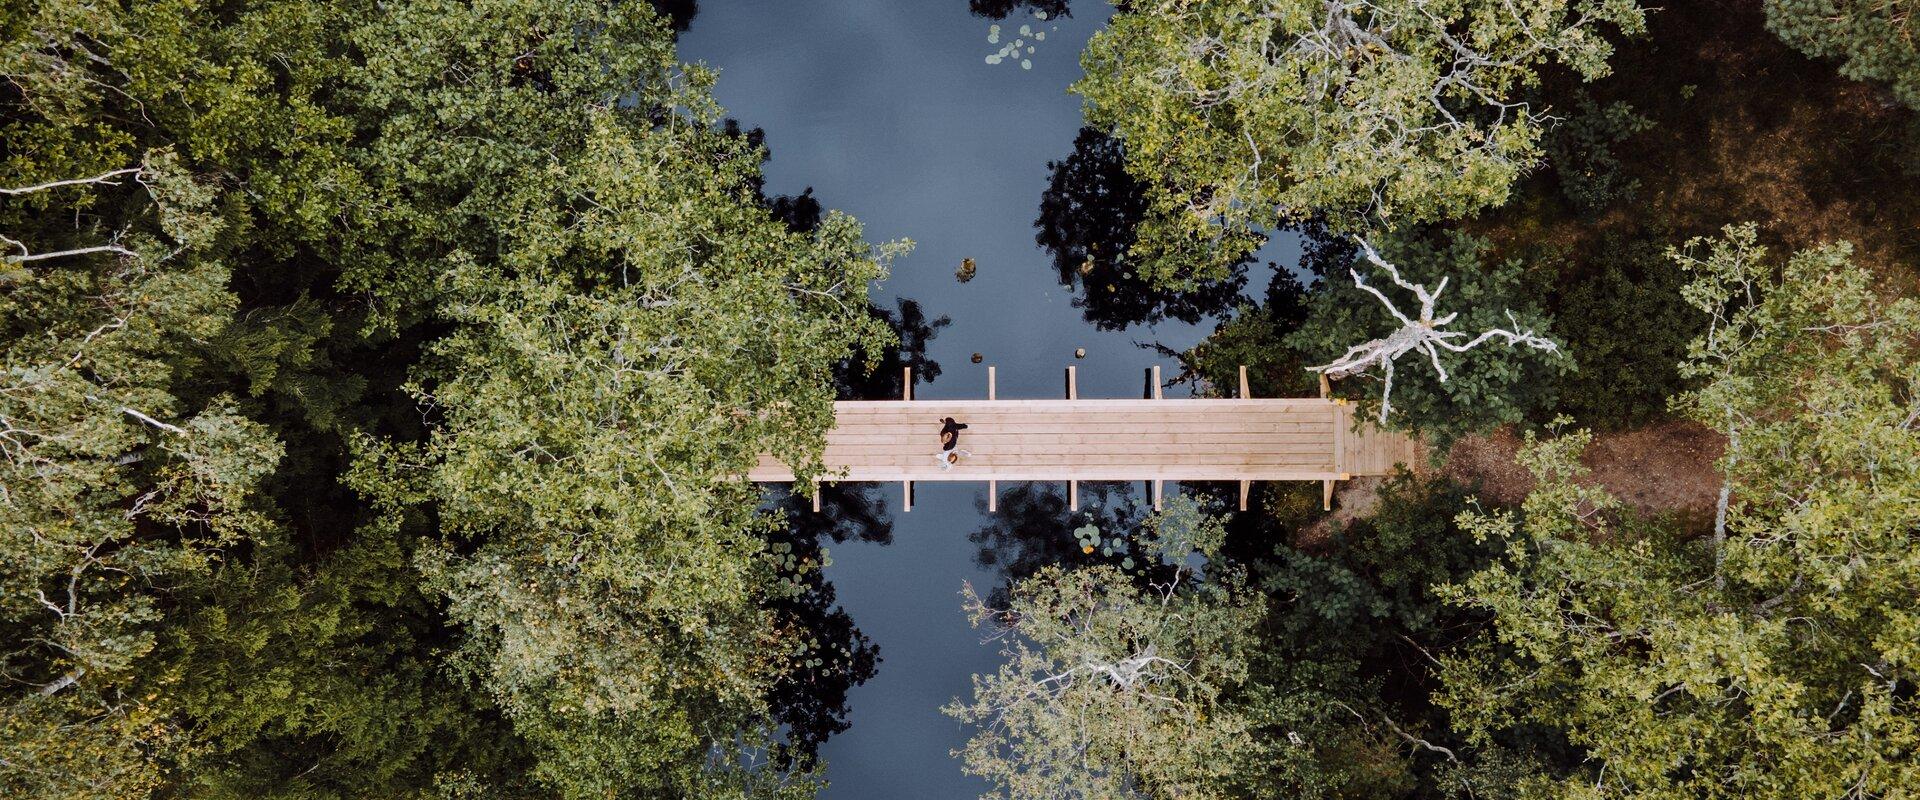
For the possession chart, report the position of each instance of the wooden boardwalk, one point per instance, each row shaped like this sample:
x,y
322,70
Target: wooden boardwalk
x,y
1076,440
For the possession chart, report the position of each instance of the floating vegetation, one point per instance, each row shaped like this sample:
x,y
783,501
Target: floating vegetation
x,y
965,272
1088,536
1024,42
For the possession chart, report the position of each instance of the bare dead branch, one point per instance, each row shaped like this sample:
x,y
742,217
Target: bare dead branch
x,y
105,179
1424,335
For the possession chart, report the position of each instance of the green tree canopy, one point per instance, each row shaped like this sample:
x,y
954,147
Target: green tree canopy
x,y
1874,39
1774,658
302,303
1112,688
1241,115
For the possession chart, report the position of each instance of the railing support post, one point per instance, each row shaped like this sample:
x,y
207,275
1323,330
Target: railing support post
x,y
1073,393
993,486
906,393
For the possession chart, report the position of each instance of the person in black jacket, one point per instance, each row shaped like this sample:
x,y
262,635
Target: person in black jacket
x,y
950,454
950,434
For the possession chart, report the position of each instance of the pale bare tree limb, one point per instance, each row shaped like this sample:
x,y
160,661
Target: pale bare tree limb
x,y
65,681
105,179
1424,335
151,421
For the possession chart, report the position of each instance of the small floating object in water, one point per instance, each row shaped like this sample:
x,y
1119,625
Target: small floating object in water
x,y
1079,352
965,272
977,358
1025,64
1086,267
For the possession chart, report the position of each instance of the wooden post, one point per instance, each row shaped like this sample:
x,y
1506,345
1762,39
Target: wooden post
x,y
1326,495
1245,486
1156,383
906,393
1073,393
1325,389
1244,394
817,488
993,487
1156,494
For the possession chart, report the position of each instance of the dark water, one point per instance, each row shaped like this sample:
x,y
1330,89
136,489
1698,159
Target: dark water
x,y
888,111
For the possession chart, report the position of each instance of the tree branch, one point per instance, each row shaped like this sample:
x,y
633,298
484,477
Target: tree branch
x,y
105,179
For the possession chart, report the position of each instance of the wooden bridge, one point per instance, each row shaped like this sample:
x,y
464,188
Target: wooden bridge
x,y
1073,440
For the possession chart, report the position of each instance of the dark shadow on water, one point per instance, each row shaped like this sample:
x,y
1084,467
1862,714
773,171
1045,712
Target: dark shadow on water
x,y
1033,528
885,379
1000,9
810,702
1087,219
679,13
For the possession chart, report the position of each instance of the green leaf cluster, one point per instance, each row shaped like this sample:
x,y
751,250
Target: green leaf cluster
x,y
367,424
1243,115
1873,39
1773,658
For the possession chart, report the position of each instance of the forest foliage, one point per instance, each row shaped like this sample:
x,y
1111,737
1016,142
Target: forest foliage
x,y
374,377
1442,643
366,418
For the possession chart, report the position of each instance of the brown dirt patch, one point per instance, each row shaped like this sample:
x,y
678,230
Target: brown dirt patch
x,y
1747,129
1352,499
1658,469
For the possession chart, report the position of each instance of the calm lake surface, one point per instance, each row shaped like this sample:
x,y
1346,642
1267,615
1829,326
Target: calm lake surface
x,y
888,110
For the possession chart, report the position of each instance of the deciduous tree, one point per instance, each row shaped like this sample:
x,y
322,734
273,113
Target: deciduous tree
x,y
1773,657
1241,115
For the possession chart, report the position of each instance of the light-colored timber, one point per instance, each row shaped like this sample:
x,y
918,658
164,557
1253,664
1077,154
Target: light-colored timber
x,y
1304,439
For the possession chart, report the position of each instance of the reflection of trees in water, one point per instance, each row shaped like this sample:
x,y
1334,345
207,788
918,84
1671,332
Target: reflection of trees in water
x,y
852,378
1087,220
883,381
1034,528
999,9
1325,251
679,13
811,701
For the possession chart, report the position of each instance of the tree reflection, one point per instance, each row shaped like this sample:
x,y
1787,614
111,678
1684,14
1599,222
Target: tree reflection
x,y
1087,220
810,701
1034,528
679,13
999,9
883,381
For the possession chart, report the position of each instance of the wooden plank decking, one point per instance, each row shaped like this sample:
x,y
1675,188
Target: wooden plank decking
x,y
1105,440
